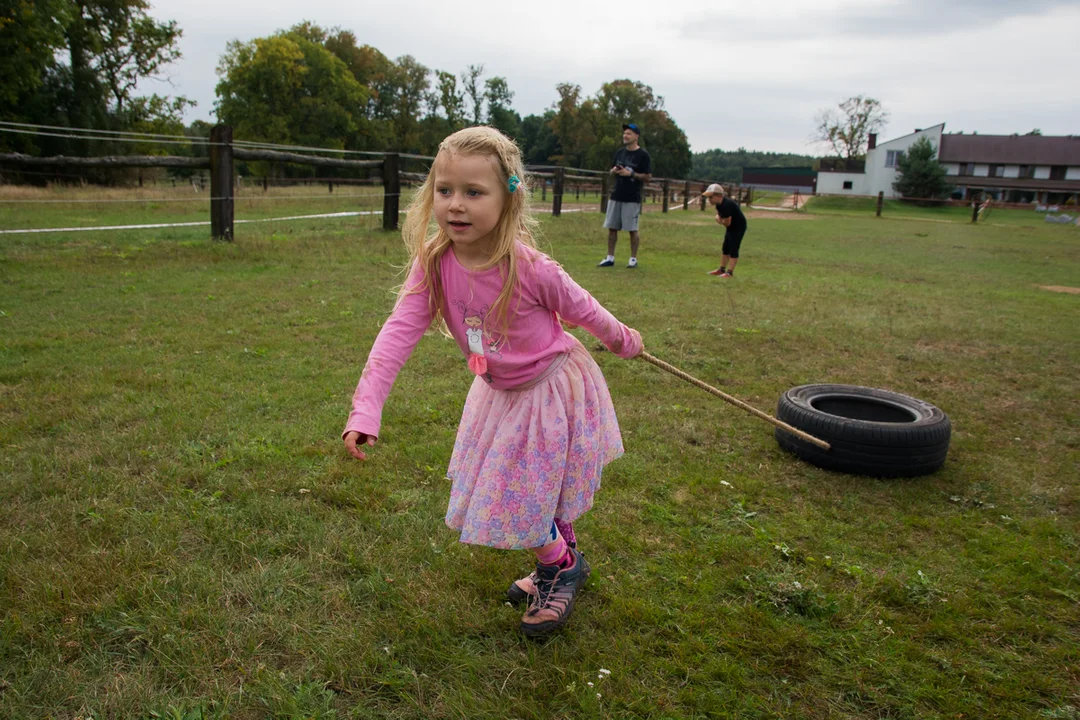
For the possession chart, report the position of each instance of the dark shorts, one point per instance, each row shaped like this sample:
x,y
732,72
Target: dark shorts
x,y
732,241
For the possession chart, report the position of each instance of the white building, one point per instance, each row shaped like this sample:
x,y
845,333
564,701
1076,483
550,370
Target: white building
x,y
1013,168
880,172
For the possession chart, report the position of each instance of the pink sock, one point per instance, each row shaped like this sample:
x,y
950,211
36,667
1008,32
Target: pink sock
x,y
553,552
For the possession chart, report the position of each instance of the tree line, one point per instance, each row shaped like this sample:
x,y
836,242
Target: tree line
x,y
727,165
79,63
308,85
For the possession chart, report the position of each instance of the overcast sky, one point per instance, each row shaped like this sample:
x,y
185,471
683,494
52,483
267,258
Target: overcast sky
x,y
731,73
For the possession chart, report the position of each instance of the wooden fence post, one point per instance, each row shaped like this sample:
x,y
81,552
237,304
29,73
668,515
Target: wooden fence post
x,y
686,196
667,193
974,211
557,192
604,192
880,202
703,186
221,187
391,179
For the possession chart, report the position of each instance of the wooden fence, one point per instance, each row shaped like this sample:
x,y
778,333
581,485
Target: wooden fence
x,y
224,154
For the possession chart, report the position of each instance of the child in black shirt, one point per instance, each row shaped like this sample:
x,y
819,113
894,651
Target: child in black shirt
x,y
730,216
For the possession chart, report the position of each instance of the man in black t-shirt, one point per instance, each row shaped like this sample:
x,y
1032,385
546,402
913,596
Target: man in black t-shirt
x,y
632,168
730,215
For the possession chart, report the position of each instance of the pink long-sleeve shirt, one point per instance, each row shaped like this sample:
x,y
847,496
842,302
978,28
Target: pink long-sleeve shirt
x,y
533,340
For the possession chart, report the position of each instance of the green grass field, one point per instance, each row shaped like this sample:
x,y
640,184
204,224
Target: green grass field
x,y
895,209
183,536
769,198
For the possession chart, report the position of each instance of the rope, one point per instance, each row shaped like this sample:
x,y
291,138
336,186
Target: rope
x,y
197,223
236,198
125,136
257,145
101,132
734,401
96,137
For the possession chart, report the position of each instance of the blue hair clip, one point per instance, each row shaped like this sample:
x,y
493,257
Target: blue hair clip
x,y
513,183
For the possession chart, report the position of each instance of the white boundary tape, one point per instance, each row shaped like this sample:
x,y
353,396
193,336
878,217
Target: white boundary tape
x,y
187,224
202,223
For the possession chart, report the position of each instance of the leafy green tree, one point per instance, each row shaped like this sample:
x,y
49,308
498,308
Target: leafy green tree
x,y
410,95
667,144
847,128
451,99
129,45
158,115
111,45
537,140
31,32
573,126
589,130
921,175
474,91
500,114
108,46
364,61
288,89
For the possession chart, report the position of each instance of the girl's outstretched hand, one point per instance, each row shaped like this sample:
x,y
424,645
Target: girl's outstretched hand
x,y
352,439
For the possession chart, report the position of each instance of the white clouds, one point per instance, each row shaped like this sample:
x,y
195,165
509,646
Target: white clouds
x,y
749,74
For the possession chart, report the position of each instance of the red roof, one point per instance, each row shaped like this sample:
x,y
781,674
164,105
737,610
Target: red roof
x,y
1011,149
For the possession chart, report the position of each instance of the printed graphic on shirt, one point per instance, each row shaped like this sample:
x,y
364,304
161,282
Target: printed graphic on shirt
x,y
473,320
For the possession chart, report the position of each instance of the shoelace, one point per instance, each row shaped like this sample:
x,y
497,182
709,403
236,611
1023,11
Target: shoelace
x,y
544,590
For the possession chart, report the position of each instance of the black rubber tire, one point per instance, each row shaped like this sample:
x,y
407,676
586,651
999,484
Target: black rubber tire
x,y
896,447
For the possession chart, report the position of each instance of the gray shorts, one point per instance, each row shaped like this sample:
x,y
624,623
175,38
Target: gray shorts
x,y
622,215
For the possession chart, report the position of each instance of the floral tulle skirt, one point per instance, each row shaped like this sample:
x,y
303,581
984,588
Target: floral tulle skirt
x,y
526,456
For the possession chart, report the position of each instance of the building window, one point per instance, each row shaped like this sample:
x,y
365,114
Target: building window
x,y
847,185
1026,171
892,157
995,171
1057,172
966,169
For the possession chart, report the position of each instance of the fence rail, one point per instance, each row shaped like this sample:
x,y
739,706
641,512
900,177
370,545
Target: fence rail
x,y
108,161
224,152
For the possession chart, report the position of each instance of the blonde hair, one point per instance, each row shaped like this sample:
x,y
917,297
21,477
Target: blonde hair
x,y
516,224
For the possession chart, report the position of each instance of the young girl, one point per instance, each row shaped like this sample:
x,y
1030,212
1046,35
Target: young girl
x,y
538,425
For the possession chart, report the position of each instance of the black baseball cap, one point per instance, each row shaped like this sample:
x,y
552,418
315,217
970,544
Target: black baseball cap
x,y
632,126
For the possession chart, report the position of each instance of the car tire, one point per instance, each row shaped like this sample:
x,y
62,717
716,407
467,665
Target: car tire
x,y
872,432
